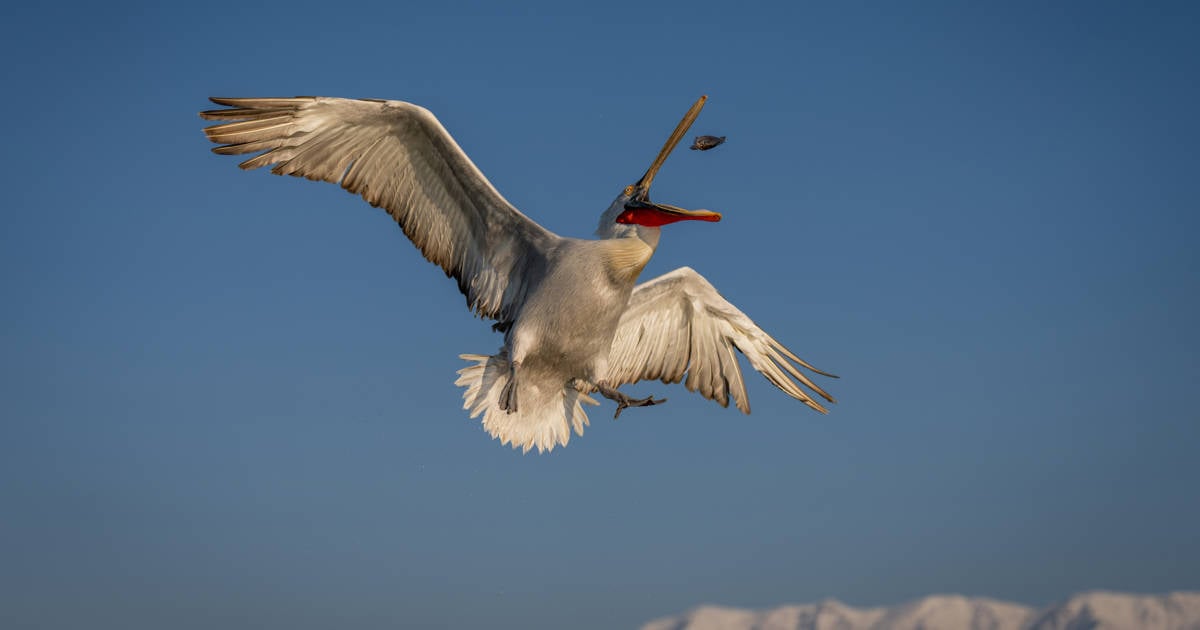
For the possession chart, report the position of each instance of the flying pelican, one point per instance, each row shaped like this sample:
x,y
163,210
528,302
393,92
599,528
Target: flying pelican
x,y
574,322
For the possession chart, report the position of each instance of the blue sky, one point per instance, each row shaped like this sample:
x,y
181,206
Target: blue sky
x,y
227,398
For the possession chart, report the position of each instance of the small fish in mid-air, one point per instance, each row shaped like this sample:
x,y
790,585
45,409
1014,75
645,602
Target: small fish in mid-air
x,y
704,143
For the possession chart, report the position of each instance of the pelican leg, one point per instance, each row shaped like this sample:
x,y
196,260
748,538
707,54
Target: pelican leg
x,y
508,395
624,401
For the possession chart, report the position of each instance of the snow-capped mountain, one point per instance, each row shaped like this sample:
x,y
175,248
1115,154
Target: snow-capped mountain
x,y
1087,611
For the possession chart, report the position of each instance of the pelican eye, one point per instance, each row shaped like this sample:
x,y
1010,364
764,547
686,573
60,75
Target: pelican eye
x,y
629,190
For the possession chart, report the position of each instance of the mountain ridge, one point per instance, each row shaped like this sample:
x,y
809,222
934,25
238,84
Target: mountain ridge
x,y
1090,610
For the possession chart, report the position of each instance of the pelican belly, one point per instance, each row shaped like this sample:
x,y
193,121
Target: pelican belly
x,y
558,343
569,321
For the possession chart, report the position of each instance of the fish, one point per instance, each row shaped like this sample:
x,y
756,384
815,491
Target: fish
x,y
704,143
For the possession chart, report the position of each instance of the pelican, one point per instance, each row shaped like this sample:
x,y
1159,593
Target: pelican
x,y
574,319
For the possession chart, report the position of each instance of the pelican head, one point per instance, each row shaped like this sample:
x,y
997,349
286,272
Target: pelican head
x,y
632,210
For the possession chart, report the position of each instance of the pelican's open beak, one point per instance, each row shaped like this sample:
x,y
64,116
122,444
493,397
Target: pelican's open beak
x,y
640,209
653,214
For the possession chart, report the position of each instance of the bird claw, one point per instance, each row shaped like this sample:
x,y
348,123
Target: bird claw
x,y
623,401
648,401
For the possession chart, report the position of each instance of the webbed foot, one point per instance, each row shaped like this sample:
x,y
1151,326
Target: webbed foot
x,y
624,401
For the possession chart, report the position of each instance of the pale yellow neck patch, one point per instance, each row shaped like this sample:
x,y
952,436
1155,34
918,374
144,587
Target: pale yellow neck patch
x,y
626,257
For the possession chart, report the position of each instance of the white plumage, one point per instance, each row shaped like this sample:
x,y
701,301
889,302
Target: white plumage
x,y
572,319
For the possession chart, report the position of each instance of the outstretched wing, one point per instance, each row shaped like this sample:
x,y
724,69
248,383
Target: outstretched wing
x,y
678,324
398,157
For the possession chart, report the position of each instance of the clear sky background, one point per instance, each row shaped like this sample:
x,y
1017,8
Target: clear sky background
x,y
227,398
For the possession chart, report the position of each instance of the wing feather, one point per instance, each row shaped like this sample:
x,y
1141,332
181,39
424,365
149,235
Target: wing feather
x,y
677,324
397,156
